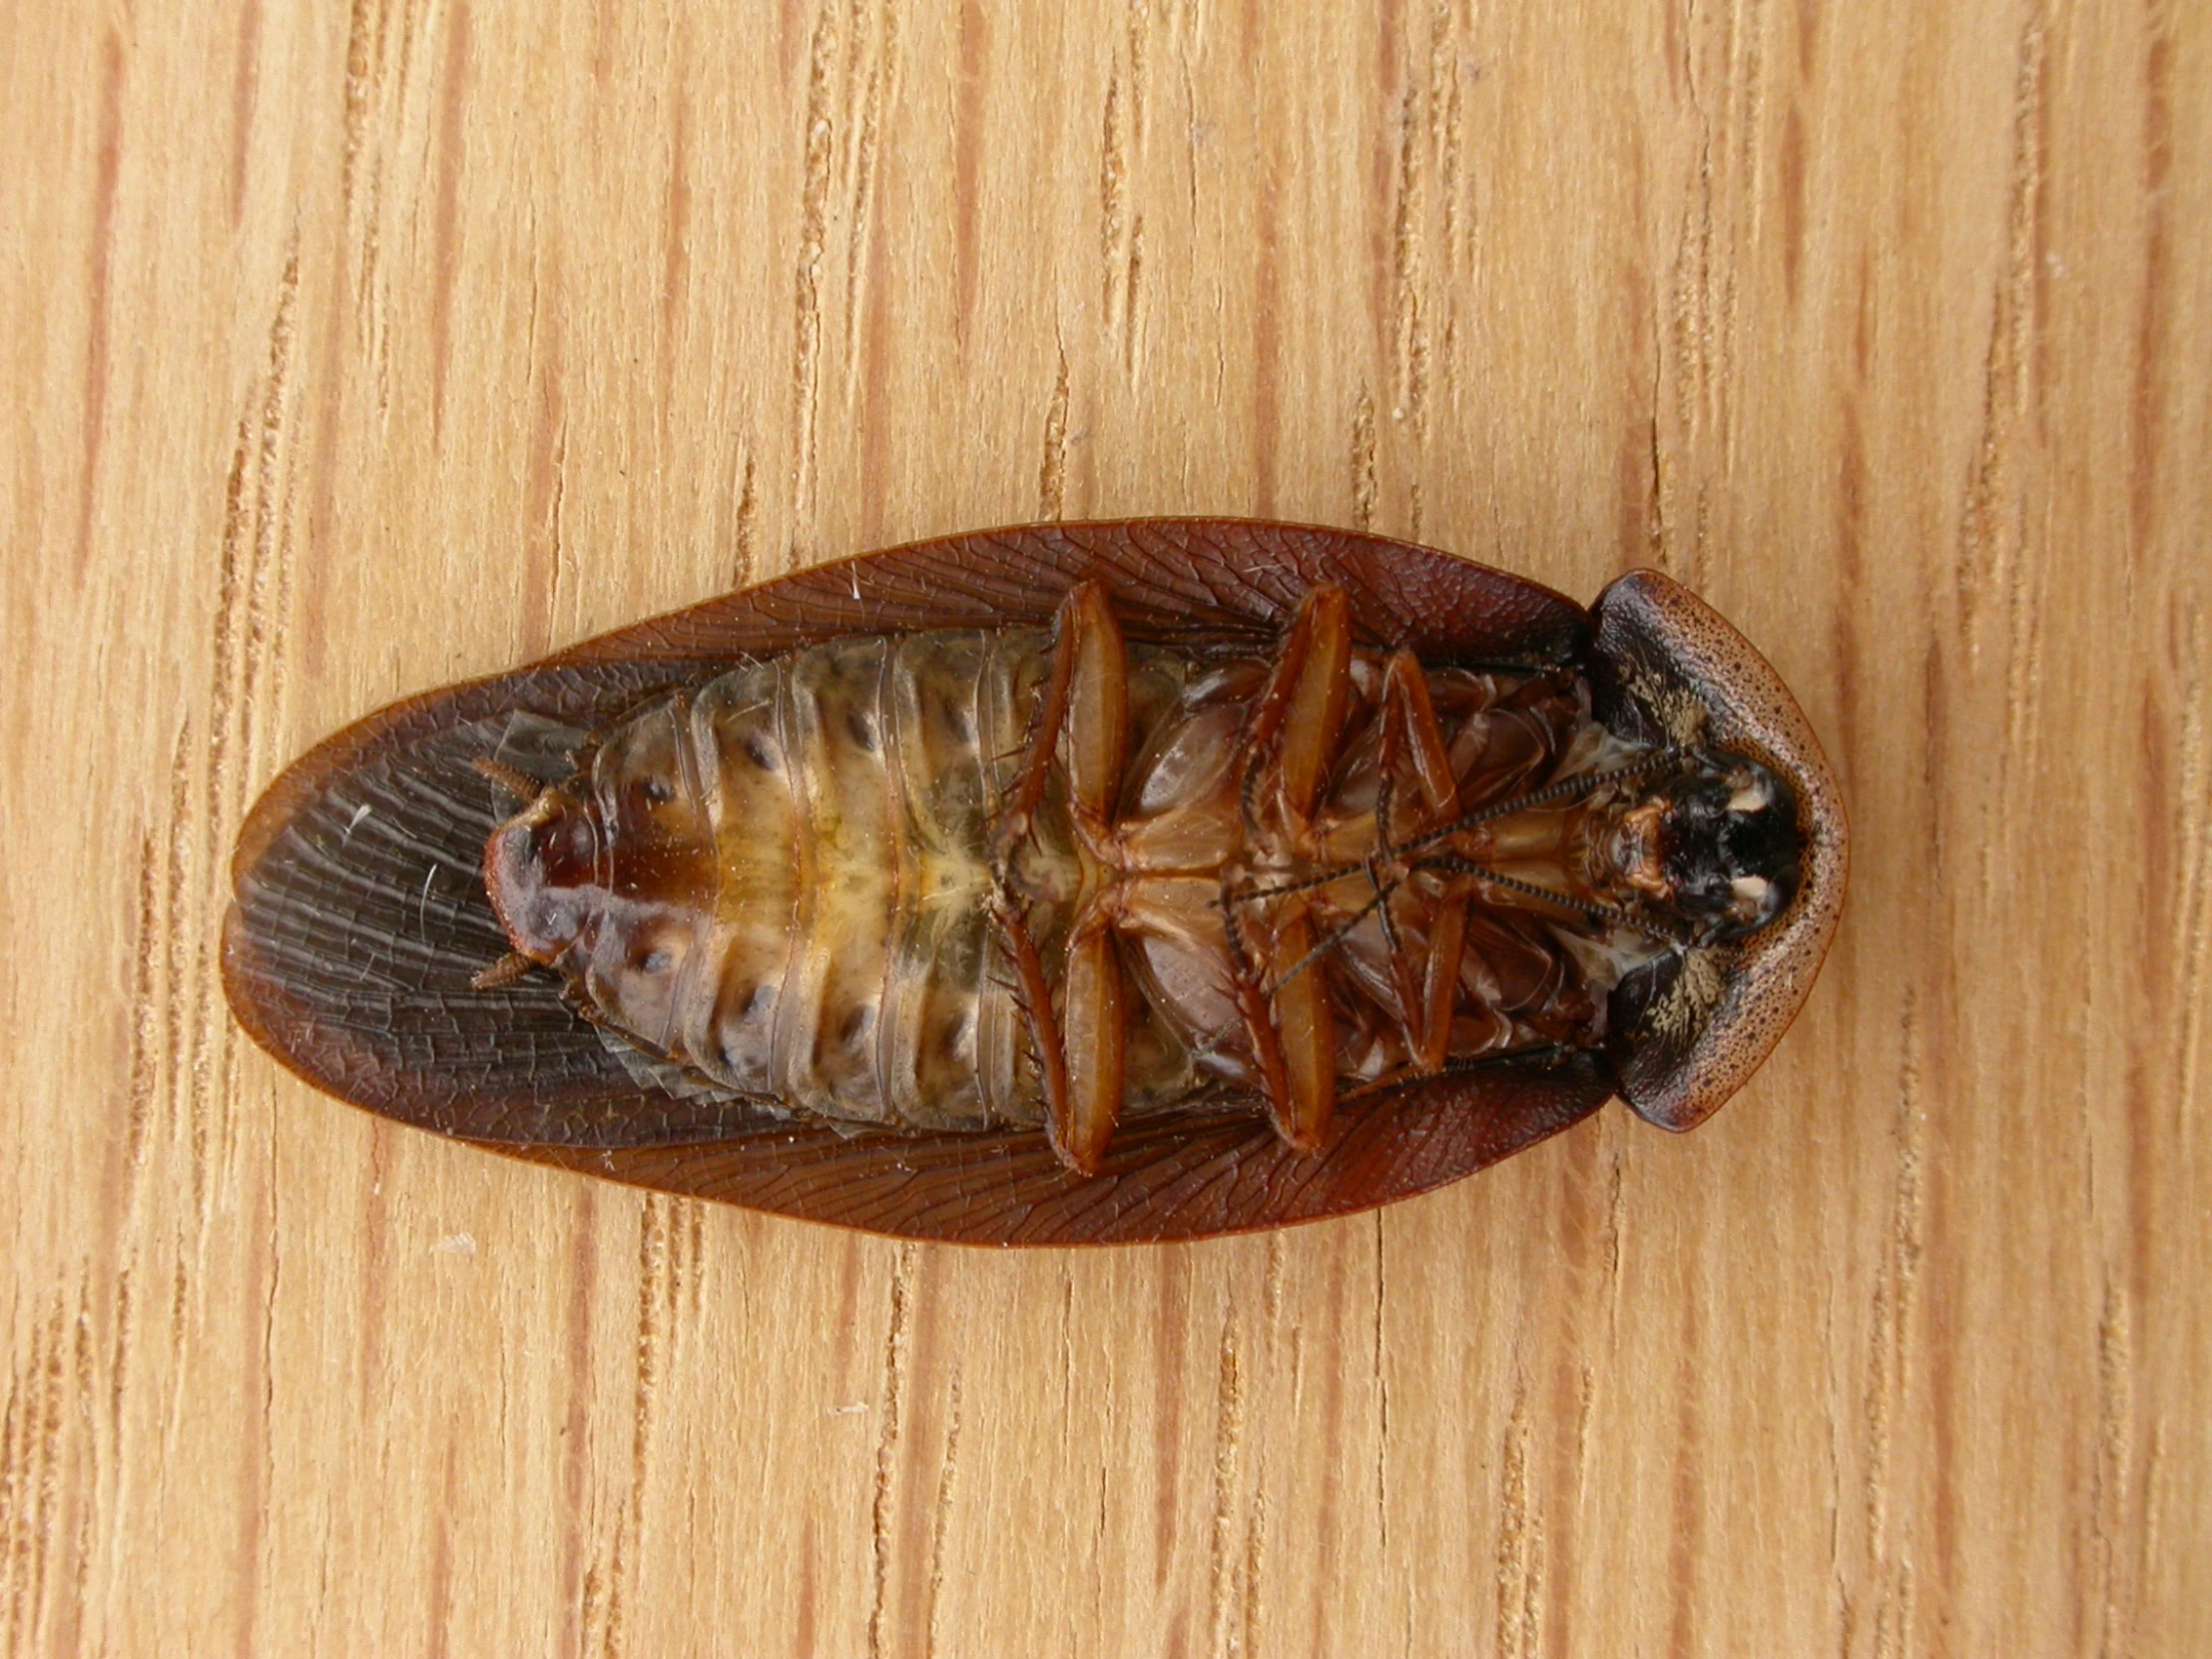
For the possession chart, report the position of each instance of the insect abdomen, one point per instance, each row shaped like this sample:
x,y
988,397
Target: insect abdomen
x,y
842,948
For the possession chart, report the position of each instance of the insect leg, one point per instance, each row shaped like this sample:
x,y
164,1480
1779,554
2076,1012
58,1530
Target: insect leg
x,y
1098,745
1080,1048
1308,1031
1292,738
1301,711
1257,1015
1098,705
1094,1036
1086,695
1035,1000
1447,944
1411,733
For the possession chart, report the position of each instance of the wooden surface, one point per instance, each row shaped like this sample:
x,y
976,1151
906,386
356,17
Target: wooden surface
x,y
351,352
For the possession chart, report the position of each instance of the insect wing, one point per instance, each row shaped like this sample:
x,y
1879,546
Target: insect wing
x,y
1169,1177
1171,580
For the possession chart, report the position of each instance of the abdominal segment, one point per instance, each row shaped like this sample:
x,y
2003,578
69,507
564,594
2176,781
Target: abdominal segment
x,y
827,880
818,862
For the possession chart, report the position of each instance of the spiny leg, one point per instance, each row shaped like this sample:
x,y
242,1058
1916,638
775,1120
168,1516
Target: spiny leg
x,y
1297,710
1293,736
1094,1033
1308,1027
1447,946
1411,733
1098,710
1257,1015
1081,1048
1034,997
1092,1022
1500,885
1300,711
1426,1010
1086,695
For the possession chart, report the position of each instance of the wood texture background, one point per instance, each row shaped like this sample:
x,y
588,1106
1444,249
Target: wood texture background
x,y
348,353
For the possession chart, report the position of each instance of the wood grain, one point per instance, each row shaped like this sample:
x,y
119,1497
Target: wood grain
x,y
355,350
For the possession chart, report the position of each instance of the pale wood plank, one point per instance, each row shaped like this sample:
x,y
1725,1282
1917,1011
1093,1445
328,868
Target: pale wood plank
x,y
353,349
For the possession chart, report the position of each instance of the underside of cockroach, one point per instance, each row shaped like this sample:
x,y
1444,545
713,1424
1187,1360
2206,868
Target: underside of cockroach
x,y
1062,884
960,879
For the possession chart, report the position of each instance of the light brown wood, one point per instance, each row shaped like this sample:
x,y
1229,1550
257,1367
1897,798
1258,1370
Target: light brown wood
x,y
352,352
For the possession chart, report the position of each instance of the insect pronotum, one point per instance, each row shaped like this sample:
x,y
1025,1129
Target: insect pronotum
x,y
1060,884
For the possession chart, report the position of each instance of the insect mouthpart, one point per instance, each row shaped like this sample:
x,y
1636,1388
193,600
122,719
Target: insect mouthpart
x,y
1718,844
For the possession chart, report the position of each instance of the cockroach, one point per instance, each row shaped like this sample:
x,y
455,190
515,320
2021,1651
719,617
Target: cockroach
x,y
1059,885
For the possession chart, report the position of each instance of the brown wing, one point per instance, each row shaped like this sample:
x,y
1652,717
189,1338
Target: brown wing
x,y
360,915
1170,578
1180,1176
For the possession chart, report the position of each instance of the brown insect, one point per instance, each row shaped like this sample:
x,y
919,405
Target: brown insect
x,y
1061,885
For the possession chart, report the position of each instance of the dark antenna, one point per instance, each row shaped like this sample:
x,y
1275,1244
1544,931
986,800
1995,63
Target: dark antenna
x,y
1335,936
1611,915
1567,789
